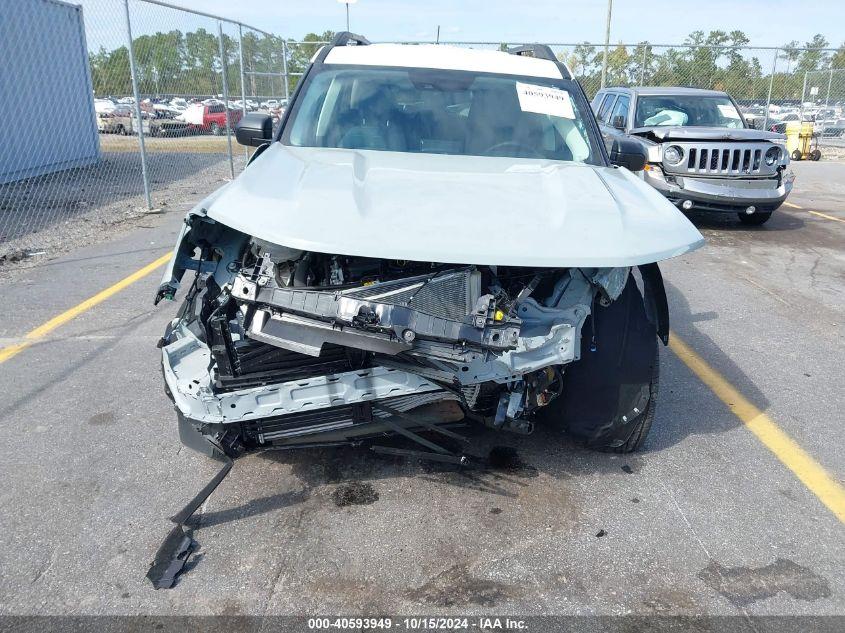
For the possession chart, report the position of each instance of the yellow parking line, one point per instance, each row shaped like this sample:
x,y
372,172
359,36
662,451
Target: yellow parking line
x,y
818,213
826,216
809,471
44,329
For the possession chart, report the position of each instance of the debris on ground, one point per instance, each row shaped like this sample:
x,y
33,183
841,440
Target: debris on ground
x,y
354,493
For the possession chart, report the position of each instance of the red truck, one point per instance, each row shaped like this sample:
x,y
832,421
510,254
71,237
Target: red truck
x,y
211,117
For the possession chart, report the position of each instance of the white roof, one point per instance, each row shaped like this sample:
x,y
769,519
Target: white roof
x,y
445,57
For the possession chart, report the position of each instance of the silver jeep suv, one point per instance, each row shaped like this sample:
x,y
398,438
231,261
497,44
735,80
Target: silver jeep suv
x,y
701,153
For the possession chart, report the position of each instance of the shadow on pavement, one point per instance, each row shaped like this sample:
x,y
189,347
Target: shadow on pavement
x,y
779,221
687,405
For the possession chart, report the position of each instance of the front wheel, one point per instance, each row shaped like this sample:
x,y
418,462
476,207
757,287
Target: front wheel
x,y
609,395
215,129
755,219
641,424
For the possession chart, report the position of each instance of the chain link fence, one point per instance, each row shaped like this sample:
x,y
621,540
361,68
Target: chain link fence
x,y
127,106
823,102
119,108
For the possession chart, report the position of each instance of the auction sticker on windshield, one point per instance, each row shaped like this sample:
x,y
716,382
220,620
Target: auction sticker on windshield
x,y
544,100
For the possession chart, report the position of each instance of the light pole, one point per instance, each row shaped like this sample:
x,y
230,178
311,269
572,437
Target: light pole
x,y
606,43
347,3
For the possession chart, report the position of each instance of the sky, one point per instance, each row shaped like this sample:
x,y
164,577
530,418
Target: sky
x,y
766,22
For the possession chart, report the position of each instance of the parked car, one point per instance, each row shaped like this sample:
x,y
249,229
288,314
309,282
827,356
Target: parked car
x,y
251,106
164,121
702,154
210,118
115,120
103,105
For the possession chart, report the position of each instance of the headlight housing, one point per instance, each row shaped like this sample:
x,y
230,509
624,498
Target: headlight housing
x,y
772,156
673,155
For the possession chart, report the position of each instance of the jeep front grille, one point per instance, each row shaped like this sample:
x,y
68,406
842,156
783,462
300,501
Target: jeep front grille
x,y
729,159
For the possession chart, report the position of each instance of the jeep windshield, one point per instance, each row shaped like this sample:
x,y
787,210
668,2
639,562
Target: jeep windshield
x,y
692,111
441,112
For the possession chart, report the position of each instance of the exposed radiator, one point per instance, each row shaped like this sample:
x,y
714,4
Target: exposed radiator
x,y
335,418
255,363
450,295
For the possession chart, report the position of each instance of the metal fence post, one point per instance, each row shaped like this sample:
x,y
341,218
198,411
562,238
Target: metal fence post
x,y
133,73
803,91
285,66
225,96
243,83
771,84
642,65
827,97
606,44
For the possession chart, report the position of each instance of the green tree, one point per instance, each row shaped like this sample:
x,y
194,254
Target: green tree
x,y
813,58
642,62
790,53
837,60
300,53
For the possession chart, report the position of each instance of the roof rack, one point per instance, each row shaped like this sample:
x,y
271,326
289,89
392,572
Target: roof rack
x,y
344,38
540,51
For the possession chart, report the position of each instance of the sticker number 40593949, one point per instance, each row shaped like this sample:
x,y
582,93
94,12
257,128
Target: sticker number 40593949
x,y
544,100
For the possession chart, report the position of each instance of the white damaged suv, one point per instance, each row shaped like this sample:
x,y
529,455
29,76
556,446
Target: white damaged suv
x,y
434,236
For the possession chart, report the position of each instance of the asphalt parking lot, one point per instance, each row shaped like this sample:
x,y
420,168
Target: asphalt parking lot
x,y
718,516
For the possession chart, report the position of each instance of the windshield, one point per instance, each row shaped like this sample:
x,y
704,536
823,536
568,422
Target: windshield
x,y
440,112
694,111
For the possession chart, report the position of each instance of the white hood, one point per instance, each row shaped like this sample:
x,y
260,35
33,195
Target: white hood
x,y
453,209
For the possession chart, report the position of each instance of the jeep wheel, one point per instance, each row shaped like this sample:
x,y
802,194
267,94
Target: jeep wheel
x,y
755,219
215,129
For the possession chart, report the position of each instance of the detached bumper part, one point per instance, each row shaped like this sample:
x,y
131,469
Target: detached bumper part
x,y
173,555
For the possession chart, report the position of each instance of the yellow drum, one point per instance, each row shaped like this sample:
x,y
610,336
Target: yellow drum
x,y
801,141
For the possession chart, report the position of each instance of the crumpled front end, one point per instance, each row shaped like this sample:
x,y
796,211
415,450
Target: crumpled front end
x,y
275,346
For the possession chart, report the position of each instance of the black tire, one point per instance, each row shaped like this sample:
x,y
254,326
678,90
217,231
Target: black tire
x,y
215,129
609,395
642,424
755,219
797,155
120,130
815,154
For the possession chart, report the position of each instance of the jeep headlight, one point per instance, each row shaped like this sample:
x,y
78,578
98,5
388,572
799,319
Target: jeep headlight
x,y
673,155
772,155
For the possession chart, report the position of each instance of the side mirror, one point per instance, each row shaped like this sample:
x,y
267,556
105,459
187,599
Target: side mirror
x,y
628,153
619,122
254,129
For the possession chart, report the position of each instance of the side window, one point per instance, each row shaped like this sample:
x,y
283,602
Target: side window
x,y
216,109
620,109
596,103
604,110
